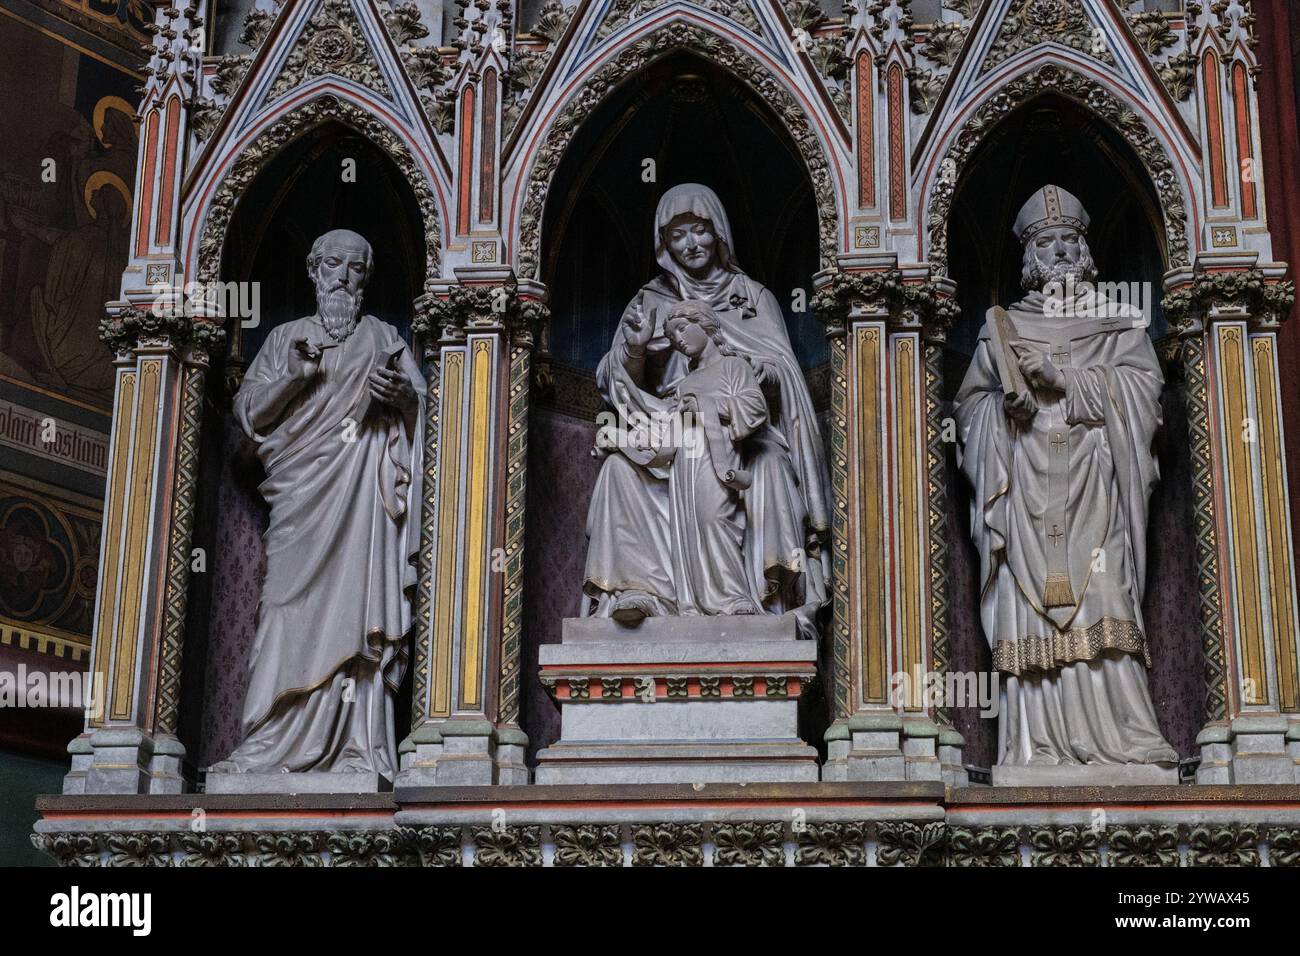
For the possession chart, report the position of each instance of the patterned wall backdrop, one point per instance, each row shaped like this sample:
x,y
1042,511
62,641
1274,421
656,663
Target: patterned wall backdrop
x,y
49,556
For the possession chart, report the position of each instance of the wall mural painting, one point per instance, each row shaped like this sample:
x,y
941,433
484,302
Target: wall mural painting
x,y
49,559
66,180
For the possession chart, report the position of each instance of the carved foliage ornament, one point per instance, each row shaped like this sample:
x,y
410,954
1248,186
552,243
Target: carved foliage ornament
x,y
884,292
482,305
635,58
1053,79
331,43
739,843
1267,303
1032,22
132,326
275,137
623,12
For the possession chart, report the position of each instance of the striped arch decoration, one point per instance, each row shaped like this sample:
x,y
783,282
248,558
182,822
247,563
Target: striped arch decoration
x,y
1096,98
1214,130
1248,169
254,157
676,36
487,173
898,166
866,123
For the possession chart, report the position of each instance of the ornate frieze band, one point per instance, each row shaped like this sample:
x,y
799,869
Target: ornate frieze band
x,y
765,843
659,687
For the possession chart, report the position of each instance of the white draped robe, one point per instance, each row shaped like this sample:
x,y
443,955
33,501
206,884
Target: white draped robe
x,y
343,485
1067,494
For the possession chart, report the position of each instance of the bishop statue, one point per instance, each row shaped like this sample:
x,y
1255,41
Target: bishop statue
x,y
1056,415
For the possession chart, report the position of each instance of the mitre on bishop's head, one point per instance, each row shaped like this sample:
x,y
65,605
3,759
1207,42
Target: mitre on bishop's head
x,y
1048,207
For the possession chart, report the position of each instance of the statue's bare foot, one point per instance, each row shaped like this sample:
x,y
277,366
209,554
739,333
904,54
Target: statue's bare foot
x,y
745,608
226,766
632,607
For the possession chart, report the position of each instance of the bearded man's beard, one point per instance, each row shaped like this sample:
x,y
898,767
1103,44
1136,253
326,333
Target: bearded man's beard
x,y
1038,275
339,310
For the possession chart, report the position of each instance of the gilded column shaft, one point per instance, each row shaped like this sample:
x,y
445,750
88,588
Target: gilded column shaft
x,y
1241,509
470,602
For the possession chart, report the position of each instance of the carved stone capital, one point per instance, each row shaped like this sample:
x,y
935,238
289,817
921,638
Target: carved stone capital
x,y
129,327
1209,295
469,308
905,304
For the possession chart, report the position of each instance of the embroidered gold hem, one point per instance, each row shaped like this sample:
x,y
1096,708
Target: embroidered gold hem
x,y
1047,653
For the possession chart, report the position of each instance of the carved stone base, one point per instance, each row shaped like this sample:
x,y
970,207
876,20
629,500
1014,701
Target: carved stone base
x,y
511,769
463,752
1250,749
1089,775
124,760
244,783
678,700
732,762
882,745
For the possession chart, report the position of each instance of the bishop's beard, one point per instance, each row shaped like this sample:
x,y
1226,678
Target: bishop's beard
x,y
1035,274
339,310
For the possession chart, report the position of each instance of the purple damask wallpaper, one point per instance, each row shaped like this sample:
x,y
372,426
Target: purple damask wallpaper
x,y
561,474
237,565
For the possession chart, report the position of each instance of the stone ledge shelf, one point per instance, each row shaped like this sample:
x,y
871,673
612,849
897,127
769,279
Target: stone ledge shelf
x,y
764,824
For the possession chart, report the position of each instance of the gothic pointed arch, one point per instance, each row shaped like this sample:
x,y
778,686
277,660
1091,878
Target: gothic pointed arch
x,y
324,107
638,53
1090,94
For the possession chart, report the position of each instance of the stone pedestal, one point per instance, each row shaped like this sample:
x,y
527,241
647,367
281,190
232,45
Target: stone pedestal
x,y
1252,749
678,700
1091,775
879,744
124,760
463,752
291,783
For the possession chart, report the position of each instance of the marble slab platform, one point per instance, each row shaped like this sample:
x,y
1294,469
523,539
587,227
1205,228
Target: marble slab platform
x,y
1090,775
245,783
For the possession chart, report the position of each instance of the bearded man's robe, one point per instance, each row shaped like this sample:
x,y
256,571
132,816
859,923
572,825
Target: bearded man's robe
x,y
343,485
1059,517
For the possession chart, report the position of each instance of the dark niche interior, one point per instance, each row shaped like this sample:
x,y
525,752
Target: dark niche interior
x,y
300,194
1053,140
699,124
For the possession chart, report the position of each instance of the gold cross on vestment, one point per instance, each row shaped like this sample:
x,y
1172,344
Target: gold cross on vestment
x,y
1060,356
1056,536
1059,442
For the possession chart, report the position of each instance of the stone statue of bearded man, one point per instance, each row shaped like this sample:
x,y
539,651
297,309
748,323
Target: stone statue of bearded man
x,y
1057,414
334,403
